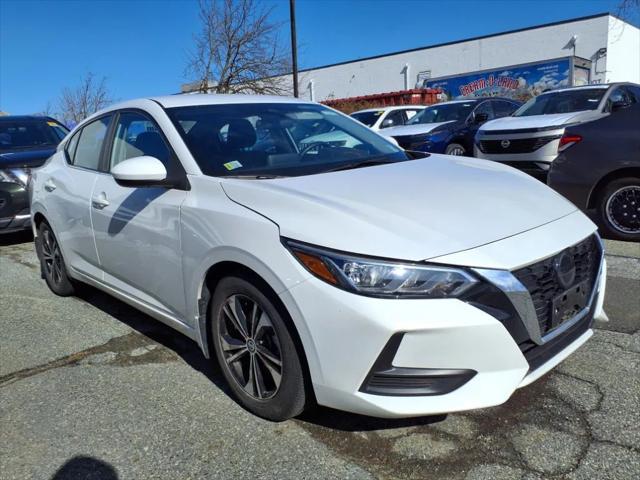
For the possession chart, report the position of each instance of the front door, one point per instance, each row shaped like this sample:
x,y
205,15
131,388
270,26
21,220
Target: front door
x,y
137,229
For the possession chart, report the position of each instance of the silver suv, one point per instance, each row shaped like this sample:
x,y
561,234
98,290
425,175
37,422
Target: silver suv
x,y
534,135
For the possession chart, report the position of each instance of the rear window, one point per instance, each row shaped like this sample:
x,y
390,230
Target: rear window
x,y
17,135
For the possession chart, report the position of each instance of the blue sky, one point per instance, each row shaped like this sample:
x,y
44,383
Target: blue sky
x,y
142,46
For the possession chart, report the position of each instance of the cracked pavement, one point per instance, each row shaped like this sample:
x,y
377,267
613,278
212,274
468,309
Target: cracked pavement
x,y
91,388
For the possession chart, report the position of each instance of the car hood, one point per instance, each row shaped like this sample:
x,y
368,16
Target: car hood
x,y
26,158
416,129
538,121
412,210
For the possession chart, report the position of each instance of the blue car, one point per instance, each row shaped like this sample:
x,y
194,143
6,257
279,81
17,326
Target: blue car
x,y
450,127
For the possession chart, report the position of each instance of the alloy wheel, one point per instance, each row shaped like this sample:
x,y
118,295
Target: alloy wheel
x,y
623,209
52,257
250,346
458,151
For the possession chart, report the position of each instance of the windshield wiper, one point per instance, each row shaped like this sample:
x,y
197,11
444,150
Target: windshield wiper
x,y
362,163
256,177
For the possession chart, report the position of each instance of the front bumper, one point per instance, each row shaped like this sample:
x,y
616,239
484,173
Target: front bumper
x,y
14,208
486,360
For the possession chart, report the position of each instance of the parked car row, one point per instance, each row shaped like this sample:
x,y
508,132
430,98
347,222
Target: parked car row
x,y
544,139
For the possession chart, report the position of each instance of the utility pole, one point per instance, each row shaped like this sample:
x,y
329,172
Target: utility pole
x,y
294,46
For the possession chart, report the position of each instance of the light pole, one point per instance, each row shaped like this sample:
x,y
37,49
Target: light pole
x,y
294,46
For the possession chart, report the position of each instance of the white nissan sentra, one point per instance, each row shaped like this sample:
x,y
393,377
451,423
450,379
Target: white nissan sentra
x,y
358,277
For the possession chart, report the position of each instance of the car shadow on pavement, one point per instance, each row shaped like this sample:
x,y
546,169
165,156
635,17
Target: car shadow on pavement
x,y
352,422
82,467
15,238
155,330
191,353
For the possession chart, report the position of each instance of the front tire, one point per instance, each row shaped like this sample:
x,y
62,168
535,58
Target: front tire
x,y
256,351
455,149
52,263
619,209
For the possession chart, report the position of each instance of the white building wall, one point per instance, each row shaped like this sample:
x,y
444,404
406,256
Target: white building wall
x,y
623,52
386,74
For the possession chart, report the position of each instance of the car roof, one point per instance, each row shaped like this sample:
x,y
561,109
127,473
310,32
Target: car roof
x,y
602,86
394,107
25,118
194,99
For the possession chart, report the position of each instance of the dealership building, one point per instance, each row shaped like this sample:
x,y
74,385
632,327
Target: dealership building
x,y
518,63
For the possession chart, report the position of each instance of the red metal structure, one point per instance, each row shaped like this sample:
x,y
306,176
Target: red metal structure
x,y
416,96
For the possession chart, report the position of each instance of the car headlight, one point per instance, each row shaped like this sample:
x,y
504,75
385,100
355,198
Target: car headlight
x,y
382,278
15,175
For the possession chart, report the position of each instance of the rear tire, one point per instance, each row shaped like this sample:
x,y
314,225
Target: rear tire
x,y
52,263
455,149
256,351
619,209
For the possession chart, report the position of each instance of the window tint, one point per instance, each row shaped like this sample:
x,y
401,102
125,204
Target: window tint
x,y
137,135
485,107
411,113
21,135
87,153
503,108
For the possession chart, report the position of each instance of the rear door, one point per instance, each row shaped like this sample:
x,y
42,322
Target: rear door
x,y
137,229
67,195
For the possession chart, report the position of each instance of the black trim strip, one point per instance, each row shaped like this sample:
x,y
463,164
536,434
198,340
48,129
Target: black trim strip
x,y
385,379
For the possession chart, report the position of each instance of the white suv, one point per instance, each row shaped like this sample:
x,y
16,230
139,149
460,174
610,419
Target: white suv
x,y
355,276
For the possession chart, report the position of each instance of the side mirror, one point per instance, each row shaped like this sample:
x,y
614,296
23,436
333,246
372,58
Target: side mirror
x,y
387,122
480,117
139,172
619,105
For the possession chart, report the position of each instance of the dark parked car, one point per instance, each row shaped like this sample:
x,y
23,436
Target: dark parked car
x,y
450,127
25,143
600,171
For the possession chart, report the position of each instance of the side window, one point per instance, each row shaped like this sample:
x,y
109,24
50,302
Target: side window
x,y
70,148
137,135
632,95
394,119
485,107
502,108
618,95
87,154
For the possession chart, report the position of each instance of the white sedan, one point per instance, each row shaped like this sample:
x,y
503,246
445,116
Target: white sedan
x,y
385,117
356,277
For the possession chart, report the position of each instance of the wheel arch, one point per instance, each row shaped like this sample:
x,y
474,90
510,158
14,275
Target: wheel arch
x,y
225,268
605,180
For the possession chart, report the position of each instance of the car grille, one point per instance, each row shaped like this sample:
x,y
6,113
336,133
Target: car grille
x,y
542,282
516,145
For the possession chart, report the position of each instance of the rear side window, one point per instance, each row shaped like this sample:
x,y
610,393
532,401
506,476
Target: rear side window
x,y
87,152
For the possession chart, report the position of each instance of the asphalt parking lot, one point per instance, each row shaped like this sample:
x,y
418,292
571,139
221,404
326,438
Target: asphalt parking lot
x,y
91,388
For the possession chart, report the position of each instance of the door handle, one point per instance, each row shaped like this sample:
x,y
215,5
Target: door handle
x,y
100,201
49,186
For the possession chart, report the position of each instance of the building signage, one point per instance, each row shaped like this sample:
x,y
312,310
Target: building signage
x,y
518,82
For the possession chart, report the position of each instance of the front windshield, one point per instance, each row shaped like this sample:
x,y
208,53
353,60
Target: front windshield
x,y
444,112
562,102
29,134
368,118
277,139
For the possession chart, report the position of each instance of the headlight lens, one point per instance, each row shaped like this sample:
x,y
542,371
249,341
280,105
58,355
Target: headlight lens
x,y
382,278
15,175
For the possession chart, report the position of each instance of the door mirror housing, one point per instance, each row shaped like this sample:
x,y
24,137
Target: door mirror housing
x,y
480,117
142,171
619,105
387,122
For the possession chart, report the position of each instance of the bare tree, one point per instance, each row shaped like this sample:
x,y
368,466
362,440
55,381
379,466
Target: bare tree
x,y
87,98
237,49
629,10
